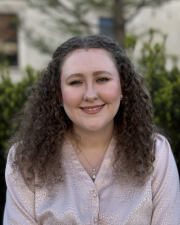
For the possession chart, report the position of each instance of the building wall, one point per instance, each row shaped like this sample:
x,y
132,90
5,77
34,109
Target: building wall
x,y
166,18
27,53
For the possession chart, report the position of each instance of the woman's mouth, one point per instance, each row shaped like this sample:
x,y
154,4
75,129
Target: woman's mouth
x,y
92,109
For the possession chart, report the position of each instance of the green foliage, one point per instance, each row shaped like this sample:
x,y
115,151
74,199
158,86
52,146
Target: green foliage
x,y
164,86
12,99
130,41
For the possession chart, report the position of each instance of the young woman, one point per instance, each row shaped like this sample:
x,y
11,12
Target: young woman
x,y
87,151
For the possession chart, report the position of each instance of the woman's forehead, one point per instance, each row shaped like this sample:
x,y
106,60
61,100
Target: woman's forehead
x,y
93,55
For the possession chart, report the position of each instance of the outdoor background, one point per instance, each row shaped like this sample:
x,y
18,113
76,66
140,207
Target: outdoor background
x,y
30,31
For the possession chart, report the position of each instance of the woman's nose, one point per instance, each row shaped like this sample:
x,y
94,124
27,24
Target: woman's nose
x,y
90,94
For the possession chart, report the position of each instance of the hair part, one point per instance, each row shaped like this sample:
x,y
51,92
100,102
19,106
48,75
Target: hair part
x,y
41,133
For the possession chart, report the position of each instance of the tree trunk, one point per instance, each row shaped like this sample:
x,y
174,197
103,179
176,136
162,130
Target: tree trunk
x,y
119,23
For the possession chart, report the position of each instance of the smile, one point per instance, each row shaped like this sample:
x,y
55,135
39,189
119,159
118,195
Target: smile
x,y
92,109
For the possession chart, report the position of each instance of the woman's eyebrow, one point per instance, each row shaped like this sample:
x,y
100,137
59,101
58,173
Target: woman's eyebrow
x,y
101,72
75,75
94,74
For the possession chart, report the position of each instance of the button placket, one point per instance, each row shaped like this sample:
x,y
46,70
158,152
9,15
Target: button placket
x,y
95,205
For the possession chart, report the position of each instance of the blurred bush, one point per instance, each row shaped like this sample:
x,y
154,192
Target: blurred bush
x,y
13,97
164,87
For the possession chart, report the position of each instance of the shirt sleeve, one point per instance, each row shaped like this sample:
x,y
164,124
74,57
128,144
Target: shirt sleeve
x,y
165,186
20,204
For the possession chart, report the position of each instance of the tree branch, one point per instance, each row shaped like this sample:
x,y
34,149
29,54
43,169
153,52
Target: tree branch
x,y
138,7
78,16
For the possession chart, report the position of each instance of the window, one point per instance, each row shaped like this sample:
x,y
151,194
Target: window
x,y
8,39
107,27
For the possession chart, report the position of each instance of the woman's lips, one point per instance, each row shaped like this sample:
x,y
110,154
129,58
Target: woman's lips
x,y
92,109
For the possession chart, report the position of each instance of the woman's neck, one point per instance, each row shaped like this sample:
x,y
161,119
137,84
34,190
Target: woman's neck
x,y
91,142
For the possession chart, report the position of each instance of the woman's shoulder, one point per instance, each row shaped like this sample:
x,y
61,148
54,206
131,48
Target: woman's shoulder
x,y
160,140
15,175
13,155
164,164
162,146
11,158
165,184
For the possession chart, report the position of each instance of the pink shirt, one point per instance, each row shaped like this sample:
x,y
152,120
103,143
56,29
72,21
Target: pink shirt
x,y
79,201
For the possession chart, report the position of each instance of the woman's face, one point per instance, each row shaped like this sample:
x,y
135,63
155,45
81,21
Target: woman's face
x,y
91,89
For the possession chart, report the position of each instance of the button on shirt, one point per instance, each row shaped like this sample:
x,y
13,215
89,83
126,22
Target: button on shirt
x,y
95,220
107,201
94,193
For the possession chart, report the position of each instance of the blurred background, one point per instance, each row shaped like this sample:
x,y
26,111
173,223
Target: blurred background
x,y
30,31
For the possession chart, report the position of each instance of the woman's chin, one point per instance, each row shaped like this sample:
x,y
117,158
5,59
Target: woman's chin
x,y
88,127
94,127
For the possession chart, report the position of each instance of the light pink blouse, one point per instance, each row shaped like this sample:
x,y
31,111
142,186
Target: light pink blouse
x,y
79,201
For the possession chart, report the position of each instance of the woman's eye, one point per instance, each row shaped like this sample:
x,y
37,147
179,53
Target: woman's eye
x,y
76,82
103,79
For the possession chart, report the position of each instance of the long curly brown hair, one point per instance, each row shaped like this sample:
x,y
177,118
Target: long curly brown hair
x,y
41,133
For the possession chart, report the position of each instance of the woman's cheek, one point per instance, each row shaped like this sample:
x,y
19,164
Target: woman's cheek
x,y
71,97
112,93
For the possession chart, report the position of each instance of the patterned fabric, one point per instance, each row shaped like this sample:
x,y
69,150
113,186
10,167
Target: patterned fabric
x,y
79,201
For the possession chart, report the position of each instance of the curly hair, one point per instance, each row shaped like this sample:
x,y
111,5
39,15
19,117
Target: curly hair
x,y
41,132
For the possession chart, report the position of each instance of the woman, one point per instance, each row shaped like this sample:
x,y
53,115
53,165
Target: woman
x,y
88,151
